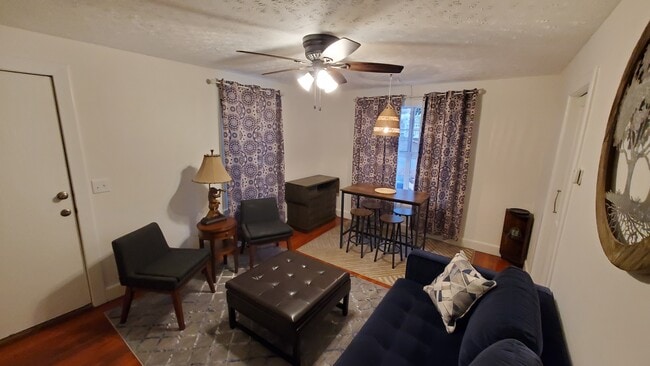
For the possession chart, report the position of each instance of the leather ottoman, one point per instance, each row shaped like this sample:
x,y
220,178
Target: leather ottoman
x,y
284,294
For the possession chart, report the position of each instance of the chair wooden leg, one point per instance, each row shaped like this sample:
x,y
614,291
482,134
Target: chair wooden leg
x,y
208,276
289,245
126,304
236,260
251,256
178,308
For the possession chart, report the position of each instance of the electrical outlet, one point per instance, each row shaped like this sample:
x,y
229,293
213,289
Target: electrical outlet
x,y
100,185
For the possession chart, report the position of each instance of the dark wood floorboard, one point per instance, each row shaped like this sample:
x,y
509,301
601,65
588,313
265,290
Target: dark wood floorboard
x,y
89,339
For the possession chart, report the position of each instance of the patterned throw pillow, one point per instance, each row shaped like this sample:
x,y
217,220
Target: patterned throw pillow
x,y
456,289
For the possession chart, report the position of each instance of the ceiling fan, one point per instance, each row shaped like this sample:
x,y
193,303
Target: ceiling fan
x,y
326,55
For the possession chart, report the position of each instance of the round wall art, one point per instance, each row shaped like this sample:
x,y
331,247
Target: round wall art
x,y
623,187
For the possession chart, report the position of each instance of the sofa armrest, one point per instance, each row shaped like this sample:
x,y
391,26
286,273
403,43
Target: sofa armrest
x,y
555,350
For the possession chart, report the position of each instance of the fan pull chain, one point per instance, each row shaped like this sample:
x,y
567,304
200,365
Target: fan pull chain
x,y
320,99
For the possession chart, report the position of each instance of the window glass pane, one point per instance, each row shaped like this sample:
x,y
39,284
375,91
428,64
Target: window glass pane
x,y
404,127
409,146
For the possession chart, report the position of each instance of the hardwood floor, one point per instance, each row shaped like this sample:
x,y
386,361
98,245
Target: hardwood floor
x,y
88,338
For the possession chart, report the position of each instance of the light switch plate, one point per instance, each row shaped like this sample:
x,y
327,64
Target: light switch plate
x,y
100,185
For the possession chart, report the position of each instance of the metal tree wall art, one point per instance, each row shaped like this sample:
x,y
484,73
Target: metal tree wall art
x,y
623,190
629,214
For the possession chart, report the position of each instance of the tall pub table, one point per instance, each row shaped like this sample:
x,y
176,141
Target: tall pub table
x,y
416,199
224,231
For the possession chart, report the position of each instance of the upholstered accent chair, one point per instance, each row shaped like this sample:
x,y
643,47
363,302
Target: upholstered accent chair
x,y
260,223
146,262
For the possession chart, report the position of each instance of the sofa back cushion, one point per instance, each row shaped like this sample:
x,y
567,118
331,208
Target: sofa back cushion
x,y
510,310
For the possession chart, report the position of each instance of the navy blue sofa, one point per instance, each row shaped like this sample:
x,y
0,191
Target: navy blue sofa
x,y
515,323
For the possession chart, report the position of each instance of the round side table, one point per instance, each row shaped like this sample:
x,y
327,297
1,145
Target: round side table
x,y
224,231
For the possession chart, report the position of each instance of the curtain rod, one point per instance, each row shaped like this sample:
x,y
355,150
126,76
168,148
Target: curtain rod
x,y
479,90
214,81
220,82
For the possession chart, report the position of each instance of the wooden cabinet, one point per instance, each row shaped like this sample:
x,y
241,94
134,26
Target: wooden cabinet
x,y
515,238
311,201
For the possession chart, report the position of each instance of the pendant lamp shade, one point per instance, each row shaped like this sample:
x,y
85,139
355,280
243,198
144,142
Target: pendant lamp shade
x,y
387,123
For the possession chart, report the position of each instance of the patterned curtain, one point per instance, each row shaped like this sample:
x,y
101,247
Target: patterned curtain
x,y
253,143
444,157
368,150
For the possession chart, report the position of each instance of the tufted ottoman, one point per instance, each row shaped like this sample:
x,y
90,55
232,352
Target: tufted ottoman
x,y
284,294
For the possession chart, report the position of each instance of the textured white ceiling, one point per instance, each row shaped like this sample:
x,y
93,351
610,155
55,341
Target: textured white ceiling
x,y
436,40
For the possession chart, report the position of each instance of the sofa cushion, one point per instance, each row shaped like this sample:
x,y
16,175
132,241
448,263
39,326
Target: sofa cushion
x,y
456,289
507,352
405,329
510,310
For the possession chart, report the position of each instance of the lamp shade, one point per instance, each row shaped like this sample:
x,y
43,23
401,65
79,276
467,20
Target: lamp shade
x,y
325,81
306,81
212,170
387,123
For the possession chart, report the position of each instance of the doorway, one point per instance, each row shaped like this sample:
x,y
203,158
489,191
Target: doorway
x,y
42,270
566,176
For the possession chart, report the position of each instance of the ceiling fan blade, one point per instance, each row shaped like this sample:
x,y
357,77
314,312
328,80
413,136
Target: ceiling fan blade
x,y
374,67
269,55
284,70
337,76
340,49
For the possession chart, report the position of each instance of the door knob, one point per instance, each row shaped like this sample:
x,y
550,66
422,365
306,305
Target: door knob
x,y
66,212
62,195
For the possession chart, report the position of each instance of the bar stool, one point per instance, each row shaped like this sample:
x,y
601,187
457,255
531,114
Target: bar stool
x,y
375,207
359,233
389,241
407,214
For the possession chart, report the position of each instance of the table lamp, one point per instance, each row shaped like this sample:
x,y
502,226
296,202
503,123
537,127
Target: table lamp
x,y
211,172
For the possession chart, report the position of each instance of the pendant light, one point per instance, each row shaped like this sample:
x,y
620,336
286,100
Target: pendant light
x,y
387,123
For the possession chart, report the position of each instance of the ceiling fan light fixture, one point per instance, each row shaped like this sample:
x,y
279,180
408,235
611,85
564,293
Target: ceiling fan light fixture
x,y
306,81
325,81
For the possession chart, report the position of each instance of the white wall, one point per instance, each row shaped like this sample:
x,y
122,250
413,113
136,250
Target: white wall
x,y
604,310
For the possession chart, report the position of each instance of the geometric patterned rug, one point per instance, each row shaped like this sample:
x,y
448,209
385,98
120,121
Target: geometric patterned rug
x,y
326,248
152,334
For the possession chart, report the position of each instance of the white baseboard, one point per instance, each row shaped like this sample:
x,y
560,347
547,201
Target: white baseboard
x,y
114,291
480,246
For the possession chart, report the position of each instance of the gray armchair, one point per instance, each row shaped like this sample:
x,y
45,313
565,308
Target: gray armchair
x,y
260,223
145,261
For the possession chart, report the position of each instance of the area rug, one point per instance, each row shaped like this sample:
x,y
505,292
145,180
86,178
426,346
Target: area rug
x,y
152,334
326,248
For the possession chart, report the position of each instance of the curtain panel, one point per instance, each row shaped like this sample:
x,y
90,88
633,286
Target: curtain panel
x,y
443,163
368,150
253,143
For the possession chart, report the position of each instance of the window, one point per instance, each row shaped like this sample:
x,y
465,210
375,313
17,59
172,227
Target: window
x,y
409,146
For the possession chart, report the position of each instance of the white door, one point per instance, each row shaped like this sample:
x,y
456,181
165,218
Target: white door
x,y
565,176
42,272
